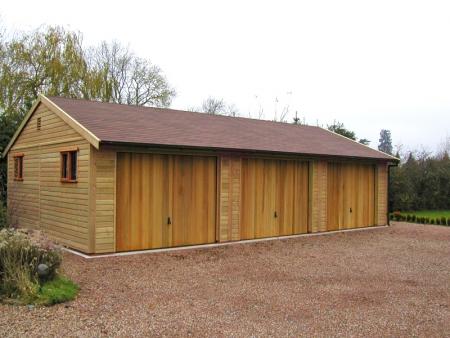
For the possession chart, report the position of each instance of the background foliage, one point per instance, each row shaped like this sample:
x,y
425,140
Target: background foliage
x,y
421,182
54,62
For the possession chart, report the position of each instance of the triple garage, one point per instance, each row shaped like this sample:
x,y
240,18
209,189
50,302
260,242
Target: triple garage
x,y
166,200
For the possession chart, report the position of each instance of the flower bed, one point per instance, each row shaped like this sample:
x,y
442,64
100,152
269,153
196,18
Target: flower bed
x,y
29,266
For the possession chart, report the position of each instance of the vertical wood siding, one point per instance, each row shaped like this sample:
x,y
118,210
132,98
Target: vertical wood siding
x,y
41,201
153,188
351,195
274,198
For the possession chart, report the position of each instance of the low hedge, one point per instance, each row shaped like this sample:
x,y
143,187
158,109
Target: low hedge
x,y
399,217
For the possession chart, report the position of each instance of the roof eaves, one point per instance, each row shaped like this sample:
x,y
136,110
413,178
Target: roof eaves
x,y
86,133
386,156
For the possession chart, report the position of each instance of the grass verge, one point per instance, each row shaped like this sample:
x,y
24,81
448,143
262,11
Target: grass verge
x,y
429,213
438,217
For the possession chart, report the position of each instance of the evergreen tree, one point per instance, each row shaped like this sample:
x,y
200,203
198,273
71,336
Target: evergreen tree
x,y
385,144
339,128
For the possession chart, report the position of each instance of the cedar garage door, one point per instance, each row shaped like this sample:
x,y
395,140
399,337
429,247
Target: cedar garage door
x,y
164,200
351,195
274,198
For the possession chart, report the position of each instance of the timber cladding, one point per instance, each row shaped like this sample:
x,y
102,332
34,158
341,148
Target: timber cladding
x,y
274,198
131,197
41,200
165,200
351,195
229,198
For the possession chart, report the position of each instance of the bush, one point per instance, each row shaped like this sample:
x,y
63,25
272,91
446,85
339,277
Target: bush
x,y
448,221
20,255
397,215
438,221
413,218
427,220
432,221
408,218
443,220
3,217
391,217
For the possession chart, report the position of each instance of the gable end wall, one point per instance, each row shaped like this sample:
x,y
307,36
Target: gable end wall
x,y
41,200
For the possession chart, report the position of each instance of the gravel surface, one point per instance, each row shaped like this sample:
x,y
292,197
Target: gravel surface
x,y
381,282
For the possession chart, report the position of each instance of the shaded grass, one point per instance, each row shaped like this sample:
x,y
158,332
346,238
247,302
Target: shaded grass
x,y
58,290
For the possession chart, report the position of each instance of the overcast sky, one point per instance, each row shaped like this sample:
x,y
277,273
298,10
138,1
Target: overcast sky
x,y
369,64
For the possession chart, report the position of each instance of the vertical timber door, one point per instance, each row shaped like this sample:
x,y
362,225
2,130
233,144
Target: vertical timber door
x,y
274,198
164,201
143,198
351,196
194,200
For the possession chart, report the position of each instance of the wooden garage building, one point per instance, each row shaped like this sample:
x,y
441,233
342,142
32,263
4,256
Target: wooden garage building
x,y
102,177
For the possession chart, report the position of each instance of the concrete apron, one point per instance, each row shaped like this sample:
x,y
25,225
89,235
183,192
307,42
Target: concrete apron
x,y
215,245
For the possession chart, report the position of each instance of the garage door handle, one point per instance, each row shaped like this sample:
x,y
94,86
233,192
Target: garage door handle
x,y
351,210
275,214
169,222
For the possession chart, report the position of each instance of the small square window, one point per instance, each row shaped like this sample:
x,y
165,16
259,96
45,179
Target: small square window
x,y
69,166
18,167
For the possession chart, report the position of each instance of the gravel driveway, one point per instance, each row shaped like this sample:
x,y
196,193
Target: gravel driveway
x,y
381,282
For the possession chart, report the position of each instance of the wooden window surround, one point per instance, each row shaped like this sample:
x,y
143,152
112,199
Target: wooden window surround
x,y
69,165
18,167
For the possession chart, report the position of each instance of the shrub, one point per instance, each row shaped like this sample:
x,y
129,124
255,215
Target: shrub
x,y
438,221
391,217
443,220
427,220
408,218
397,215
432,221
20,255
3,217
448,221
413,218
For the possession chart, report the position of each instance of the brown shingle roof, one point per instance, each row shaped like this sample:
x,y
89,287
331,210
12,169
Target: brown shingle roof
x,y
118,123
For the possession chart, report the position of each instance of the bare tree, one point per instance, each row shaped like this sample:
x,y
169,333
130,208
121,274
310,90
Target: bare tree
x,y
232,110
117,75
216,106
213,106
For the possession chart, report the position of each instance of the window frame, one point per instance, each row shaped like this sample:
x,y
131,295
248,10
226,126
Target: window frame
x,y
68,168
18,161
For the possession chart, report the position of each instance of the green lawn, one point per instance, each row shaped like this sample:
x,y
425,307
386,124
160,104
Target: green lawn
x,y
59,290
428,213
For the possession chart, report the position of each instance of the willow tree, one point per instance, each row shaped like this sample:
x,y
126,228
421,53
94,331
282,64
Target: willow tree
x,y
55,62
